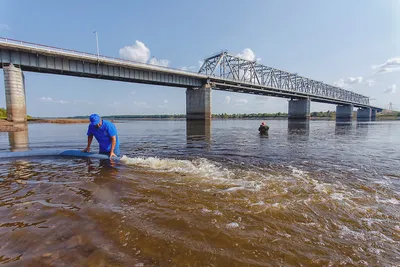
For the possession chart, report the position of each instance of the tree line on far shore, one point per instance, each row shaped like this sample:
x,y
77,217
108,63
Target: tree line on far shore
x,y
321,114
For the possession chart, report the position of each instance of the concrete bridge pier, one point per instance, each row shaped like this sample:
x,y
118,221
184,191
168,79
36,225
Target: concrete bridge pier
x,y
299,109
198,103
14,83
373,114
344,112
364,114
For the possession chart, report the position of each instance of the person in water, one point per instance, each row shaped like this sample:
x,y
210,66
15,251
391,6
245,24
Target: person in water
x,y
263,129
106,135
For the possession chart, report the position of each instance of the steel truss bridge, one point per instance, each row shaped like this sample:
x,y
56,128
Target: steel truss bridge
x,y
233,73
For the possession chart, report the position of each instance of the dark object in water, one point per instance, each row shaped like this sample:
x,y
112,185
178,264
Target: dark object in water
x,y
263,129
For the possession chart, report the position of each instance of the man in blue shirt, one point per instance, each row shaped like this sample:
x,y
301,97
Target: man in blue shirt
x,y
105,133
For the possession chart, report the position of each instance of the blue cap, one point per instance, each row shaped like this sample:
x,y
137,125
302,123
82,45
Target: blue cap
x,y
94,119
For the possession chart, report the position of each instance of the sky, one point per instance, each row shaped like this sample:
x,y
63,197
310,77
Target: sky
x,y
352,44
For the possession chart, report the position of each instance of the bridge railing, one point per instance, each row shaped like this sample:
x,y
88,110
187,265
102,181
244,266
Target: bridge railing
x,y
90,55
235,68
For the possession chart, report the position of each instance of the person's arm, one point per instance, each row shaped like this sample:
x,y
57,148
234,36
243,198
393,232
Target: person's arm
x,y
89,142
113,143
112,131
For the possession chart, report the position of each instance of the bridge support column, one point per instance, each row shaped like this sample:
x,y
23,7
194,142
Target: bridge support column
x,y
198,103
344,112
364,114
299,109
373,114
14,83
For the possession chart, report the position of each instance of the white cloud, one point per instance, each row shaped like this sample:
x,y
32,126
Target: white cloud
x,y
49,99
242,101
137,52
340,83
141,104
46,99
370,82
392,64
189,68
165,101
247,54
132,93
262,100
4,27
83,102
346,83
353,80
227,99
161,62
391,89
386,70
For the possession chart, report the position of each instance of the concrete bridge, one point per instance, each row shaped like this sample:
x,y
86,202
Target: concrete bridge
x,y
219,72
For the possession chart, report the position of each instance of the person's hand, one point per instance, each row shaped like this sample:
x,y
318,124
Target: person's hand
x,y
112,154
86,149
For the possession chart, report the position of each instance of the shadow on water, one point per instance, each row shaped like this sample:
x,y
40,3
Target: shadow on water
x,y
198,134
298,128
19,140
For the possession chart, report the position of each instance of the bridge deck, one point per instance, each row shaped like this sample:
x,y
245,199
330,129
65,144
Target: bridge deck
x,y
45,59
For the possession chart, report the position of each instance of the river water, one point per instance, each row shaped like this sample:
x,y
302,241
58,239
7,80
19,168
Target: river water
x,y
308,194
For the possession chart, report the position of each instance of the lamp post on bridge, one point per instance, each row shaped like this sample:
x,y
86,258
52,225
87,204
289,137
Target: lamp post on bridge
x,y
97,44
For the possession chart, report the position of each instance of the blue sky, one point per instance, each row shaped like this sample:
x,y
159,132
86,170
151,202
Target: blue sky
x,y
354,44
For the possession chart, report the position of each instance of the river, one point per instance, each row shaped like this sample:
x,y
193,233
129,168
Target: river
x,y
308,194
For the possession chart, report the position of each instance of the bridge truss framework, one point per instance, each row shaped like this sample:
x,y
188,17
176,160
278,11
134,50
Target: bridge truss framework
x,y
229,67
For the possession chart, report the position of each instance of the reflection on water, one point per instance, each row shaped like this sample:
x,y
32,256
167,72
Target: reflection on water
x,y
198,134
19,140
362,128
343,127
344,120
363,119
298,128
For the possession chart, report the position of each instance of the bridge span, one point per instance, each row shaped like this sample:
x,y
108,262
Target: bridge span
x,y
219,72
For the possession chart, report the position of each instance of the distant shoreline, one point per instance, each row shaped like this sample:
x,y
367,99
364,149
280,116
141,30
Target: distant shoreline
x,y
6,126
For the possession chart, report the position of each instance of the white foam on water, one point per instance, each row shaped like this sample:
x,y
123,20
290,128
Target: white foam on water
x,y
387,201
297,172
202,170
260,203
218,213
232,225
337,196
205,210
345,231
